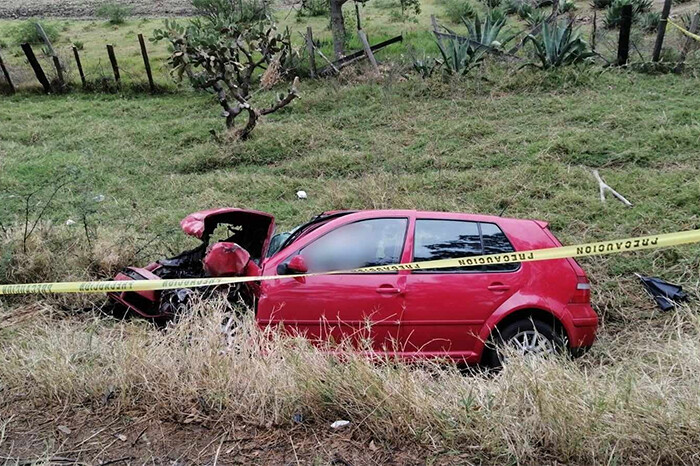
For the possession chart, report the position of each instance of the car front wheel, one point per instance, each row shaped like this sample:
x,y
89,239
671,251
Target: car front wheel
x,y
525,337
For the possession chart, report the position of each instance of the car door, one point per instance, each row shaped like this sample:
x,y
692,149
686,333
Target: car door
x,y
357,306
446,308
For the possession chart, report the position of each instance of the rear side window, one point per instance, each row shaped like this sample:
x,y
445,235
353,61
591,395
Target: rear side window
x,y
366,243
495,242
447,239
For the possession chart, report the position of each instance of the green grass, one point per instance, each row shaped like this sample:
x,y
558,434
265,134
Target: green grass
x,y
469,146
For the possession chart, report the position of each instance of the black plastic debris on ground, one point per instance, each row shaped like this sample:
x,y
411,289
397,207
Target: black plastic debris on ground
x,y
665,294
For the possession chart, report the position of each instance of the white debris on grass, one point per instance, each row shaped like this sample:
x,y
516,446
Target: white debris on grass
x,y
339,424
301,195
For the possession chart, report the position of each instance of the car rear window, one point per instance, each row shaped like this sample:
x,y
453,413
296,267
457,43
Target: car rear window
x,y
447,239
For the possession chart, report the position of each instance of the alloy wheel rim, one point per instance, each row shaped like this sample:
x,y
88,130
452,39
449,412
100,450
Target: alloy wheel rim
x,y
528,342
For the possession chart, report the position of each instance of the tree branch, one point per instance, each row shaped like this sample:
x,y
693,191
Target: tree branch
x,y
291,95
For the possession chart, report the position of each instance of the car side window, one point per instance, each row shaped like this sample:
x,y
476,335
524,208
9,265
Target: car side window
x,y
366,243
446,239
496,242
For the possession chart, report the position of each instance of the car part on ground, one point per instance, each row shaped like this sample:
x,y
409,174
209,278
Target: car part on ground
x,y
665,294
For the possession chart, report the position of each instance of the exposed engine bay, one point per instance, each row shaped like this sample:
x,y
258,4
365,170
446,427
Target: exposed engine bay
x,y
244,239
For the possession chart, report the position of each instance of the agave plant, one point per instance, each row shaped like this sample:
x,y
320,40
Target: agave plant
x,y
558,44
488,32
462,54
613,15
536,17
566,6
650,21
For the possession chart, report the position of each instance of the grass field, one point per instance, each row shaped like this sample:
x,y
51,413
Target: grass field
x,y
501,139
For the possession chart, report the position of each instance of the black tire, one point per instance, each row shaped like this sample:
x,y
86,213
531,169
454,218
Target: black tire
x,y
522,329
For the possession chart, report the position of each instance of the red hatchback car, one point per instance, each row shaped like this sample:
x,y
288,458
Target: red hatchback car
x,y
532,307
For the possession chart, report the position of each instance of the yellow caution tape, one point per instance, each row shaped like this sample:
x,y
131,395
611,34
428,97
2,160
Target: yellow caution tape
x,y
684,31
580,250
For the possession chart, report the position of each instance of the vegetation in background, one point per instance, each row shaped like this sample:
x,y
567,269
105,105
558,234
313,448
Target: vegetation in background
x,y
114,13
313,8
456,10
26,31
235,11
649,21
460,56
613,13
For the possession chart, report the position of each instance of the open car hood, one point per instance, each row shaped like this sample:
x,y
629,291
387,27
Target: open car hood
x,y
251,229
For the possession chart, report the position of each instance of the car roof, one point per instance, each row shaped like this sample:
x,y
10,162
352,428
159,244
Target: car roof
x,y
437,215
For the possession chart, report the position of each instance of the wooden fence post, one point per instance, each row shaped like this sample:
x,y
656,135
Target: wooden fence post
x,y
146,63
7,76
661,31
688,41
368,49
59,71
311,49
623,46
56,62
594,30
113,61
38,71
357,15
80,66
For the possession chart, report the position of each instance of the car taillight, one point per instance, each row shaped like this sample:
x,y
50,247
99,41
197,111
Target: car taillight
x,y
582,294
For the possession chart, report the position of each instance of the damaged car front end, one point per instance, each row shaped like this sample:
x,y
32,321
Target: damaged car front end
x,y
233,243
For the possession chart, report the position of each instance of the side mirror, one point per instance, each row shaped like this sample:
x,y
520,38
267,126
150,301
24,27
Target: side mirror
x,y
297,265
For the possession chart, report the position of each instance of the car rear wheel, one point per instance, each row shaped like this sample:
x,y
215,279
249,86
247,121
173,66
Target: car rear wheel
x,y
525,337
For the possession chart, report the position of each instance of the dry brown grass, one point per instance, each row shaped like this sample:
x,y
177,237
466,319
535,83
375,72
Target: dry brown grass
x,y
635,398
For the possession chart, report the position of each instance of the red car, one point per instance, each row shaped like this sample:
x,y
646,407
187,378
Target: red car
x,y
531,306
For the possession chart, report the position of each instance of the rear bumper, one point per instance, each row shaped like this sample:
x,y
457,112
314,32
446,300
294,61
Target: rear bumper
x,y
584,326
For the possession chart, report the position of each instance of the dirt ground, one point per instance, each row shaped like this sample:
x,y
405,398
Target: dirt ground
x,y
86,8
100,436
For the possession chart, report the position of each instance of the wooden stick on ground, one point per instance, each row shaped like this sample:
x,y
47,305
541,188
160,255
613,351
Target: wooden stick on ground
x,y
604,186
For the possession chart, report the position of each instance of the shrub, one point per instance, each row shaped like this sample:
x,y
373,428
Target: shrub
x,y
649,22
78,45
558,44
425,66
601,4
26,31
511,7
525,11
492,3
566,6
314,8
113,13
613,15
496,15
458,9
242,11
536,17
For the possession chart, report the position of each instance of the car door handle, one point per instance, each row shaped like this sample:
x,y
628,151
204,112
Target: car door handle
x,y
388,290
498,287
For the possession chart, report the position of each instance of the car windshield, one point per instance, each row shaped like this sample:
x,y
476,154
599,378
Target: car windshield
x,y
282,240
277,241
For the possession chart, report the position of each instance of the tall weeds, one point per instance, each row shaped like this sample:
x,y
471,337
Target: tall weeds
x,y
635,398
